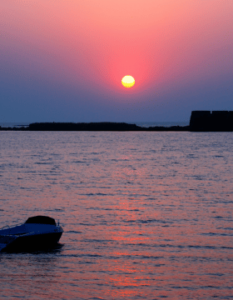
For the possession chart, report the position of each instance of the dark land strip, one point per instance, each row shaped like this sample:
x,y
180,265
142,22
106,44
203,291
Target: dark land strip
x,y
199,121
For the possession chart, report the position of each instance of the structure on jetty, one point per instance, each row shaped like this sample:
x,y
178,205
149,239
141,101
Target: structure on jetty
x,y
211,121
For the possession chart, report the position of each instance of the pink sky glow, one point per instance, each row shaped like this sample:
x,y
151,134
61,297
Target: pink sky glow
x,y
84,48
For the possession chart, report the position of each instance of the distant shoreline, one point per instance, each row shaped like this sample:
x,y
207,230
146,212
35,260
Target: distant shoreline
x,y
140,124
97,126
200,121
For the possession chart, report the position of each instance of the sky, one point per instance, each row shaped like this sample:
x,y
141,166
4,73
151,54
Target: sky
x,y
63,60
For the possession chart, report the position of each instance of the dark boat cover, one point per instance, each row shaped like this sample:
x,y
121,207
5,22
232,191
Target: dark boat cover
x,y
41,220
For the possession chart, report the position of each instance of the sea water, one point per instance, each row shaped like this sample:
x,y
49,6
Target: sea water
x,y
146,215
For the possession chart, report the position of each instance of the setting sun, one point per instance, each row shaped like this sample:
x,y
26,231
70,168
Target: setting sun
x,y
128,81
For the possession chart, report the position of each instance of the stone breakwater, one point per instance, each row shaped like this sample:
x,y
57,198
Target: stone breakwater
x,y
199,121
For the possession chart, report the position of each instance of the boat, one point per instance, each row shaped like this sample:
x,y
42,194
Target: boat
x,y
38,232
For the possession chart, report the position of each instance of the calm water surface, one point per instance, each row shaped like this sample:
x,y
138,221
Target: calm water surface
x,y
145,215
